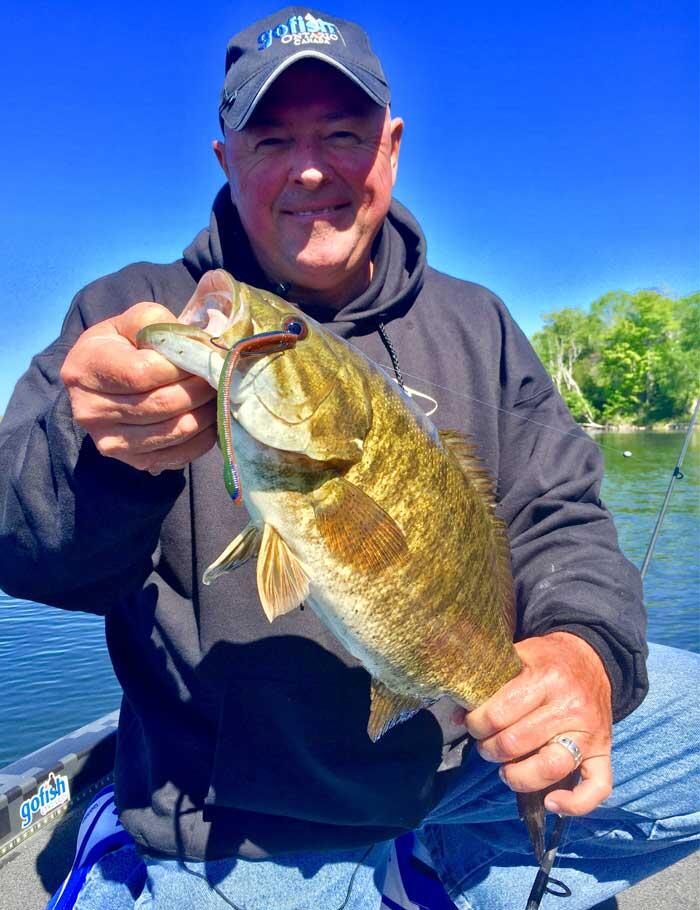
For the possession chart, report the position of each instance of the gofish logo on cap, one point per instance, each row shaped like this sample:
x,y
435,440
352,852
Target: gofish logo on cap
x,y
300,30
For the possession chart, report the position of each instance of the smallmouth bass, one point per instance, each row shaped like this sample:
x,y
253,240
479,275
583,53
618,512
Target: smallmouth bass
x,y
358,506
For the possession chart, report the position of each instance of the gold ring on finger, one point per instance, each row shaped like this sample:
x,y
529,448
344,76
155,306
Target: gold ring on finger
x,y
571,746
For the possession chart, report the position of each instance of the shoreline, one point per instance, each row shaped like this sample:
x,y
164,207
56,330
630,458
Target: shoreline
x,y
635,428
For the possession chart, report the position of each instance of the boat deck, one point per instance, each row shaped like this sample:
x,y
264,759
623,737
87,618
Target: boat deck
x,y
35,862
33,871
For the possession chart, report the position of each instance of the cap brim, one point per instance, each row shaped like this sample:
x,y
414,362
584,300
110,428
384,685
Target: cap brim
x,y
377,90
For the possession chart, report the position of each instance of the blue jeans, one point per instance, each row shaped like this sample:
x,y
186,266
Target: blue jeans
x,y
473,836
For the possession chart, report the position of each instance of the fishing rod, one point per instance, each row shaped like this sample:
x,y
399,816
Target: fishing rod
x,y
543,881
677,474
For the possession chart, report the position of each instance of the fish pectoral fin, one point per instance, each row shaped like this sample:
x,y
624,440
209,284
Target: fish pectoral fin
x,y
389,708
357,530
282,581
236,553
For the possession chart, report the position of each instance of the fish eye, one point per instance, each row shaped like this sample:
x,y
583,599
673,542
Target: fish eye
x,y
296,326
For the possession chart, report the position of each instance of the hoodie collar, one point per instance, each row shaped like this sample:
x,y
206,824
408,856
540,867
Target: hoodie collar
x,y
399,258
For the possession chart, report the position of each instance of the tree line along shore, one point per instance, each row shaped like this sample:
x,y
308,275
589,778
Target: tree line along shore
x,y
629,361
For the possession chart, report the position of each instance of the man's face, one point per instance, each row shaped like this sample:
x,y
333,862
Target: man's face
x,y
311,176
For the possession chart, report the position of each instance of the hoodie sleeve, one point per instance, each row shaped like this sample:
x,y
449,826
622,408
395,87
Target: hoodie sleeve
x,y
77,529
570,574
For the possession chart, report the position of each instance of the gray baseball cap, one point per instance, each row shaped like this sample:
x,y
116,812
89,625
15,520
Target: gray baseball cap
x,y
256,56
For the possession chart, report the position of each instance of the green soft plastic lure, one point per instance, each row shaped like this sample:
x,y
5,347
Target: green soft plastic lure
x,y
253,346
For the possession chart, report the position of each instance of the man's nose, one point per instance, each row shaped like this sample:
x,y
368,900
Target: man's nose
x,y
311,177
309,168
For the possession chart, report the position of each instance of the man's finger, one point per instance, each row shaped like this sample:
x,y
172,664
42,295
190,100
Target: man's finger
x,y
131,321
594,787
175,457
118,440
143,408
547,766
113,366
526,735
515,700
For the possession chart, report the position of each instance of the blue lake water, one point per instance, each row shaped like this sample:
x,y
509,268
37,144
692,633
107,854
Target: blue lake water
x,y
55,673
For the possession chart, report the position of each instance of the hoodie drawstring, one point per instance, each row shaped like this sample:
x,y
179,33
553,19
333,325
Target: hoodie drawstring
x,y
392,353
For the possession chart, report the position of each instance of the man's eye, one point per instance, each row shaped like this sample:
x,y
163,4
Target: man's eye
x,y
344,137
270,142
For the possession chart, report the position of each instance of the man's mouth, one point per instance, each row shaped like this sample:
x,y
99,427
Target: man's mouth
x,y
325,211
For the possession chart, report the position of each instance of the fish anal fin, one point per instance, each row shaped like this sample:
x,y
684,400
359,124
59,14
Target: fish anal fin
x,y
282,581
464,452
236,553
355,528
389,708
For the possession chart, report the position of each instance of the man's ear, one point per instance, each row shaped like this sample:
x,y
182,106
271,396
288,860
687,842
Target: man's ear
x,y
396,134
220,152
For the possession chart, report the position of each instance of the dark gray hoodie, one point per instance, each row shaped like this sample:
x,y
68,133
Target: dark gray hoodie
x,y
238,736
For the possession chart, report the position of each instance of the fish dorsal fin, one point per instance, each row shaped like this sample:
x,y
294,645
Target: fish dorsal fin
x,y
355,528
240,549
388,709
464,451
473,469
282,582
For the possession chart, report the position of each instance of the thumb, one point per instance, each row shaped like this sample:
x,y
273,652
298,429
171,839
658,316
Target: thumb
x,y
131,321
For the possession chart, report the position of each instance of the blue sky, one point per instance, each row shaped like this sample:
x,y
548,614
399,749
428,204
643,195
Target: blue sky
x,y
550,153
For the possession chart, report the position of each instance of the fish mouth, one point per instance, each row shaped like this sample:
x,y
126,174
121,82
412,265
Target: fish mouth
x,y
215,306
150,336
215,318
212,315
187,346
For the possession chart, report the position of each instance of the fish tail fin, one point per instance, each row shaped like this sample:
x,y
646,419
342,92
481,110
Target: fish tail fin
x,y
531,811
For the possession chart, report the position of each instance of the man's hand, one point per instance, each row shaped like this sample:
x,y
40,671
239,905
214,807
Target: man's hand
x,y
136,406
562,689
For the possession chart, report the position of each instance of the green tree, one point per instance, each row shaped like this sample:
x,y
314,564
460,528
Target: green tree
x,y
637,343
630,358
565,343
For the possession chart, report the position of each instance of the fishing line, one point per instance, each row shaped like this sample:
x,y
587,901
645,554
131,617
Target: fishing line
x,y
487,404
215,888
386,369
212,886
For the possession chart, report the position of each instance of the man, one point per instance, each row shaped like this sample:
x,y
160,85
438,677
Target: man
x,y
243,744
